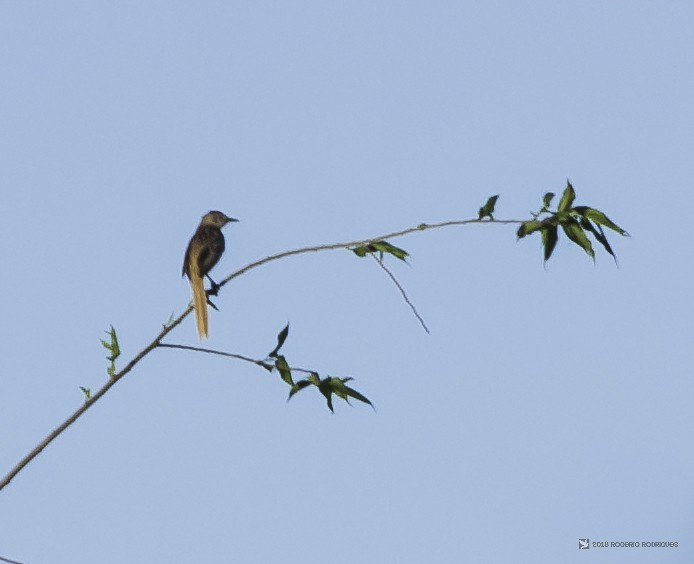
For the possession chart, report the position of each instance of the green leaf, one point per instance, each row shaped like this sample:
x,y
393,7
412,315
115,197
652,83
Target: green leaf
x,y
596,216
326,389
567,198
300,385
281,338
380,246
528,227
574,232
385,247
114,348
547,199
333,385
87,392
361,250
549,240
283,369
487,210
599,235
351,392
314,378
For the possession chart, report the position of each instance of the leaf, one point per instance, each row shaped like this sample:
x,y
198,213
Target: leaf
x,y
281,338
361,250
314,378
114,348
547,199
351,392
567,198
528,227
549,240
487,210
380,246
333,385
300,385
327,390
339,387
87,392
600,218
599,235
385,247
169,321
283,369
574,232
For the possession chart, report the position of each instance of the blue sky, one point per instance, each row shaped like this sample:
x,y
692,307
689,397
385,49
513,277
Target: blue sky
x,y
548,404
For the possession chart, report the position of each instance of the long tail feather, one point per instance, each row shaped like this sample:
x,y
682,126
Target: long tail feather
x,y
200,302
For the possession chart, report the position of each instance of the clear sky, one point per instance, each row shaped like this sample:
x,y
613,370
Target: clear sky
x,y
548,404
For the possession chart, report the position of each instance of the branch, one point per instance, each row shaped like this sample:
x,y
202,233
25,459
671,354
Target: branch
x,y
237,356
156,342
332,246
92,400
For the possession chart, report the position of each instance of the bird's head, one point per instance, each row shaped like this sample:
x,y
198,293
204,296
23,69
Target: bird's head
x,y
216,219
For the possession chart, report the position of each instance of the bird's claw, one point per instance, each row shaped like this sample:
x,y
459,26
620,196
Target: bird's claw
x,y
214,288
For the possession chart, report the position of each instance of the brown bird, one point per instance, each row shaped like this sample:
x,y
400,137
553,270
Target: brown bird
x,y
203,252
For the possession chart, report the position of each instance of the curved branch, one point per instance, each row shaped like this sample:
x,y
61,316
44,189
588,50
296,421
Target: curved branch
x,y
232,355
332,246
156,342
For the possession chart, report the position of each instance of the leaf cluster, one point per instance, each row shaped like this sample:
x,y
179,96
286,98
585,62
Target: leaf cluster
x,y
329,386
577,222
487,210
381,247
113,347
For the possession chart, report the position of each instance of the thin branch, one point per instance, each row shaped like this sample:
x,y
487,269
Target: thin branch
x,y
231,355
8,560
380,263
331,246
156,342
213,351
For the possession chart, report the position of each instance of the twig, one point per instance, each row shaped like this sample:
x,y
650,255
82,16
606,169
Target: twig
x,y
213,351
402,291
231,355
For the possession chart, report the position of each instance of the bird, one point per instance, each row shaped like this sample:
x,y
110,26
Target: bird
x,y
204,250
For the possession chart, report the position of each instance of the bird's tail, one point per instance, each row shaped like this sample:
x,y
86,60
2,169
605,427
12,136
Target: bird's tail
x,y
199,302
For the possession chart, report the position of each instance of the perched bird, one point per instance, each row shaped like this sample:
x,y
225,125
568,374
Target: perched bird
x,y
204,251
